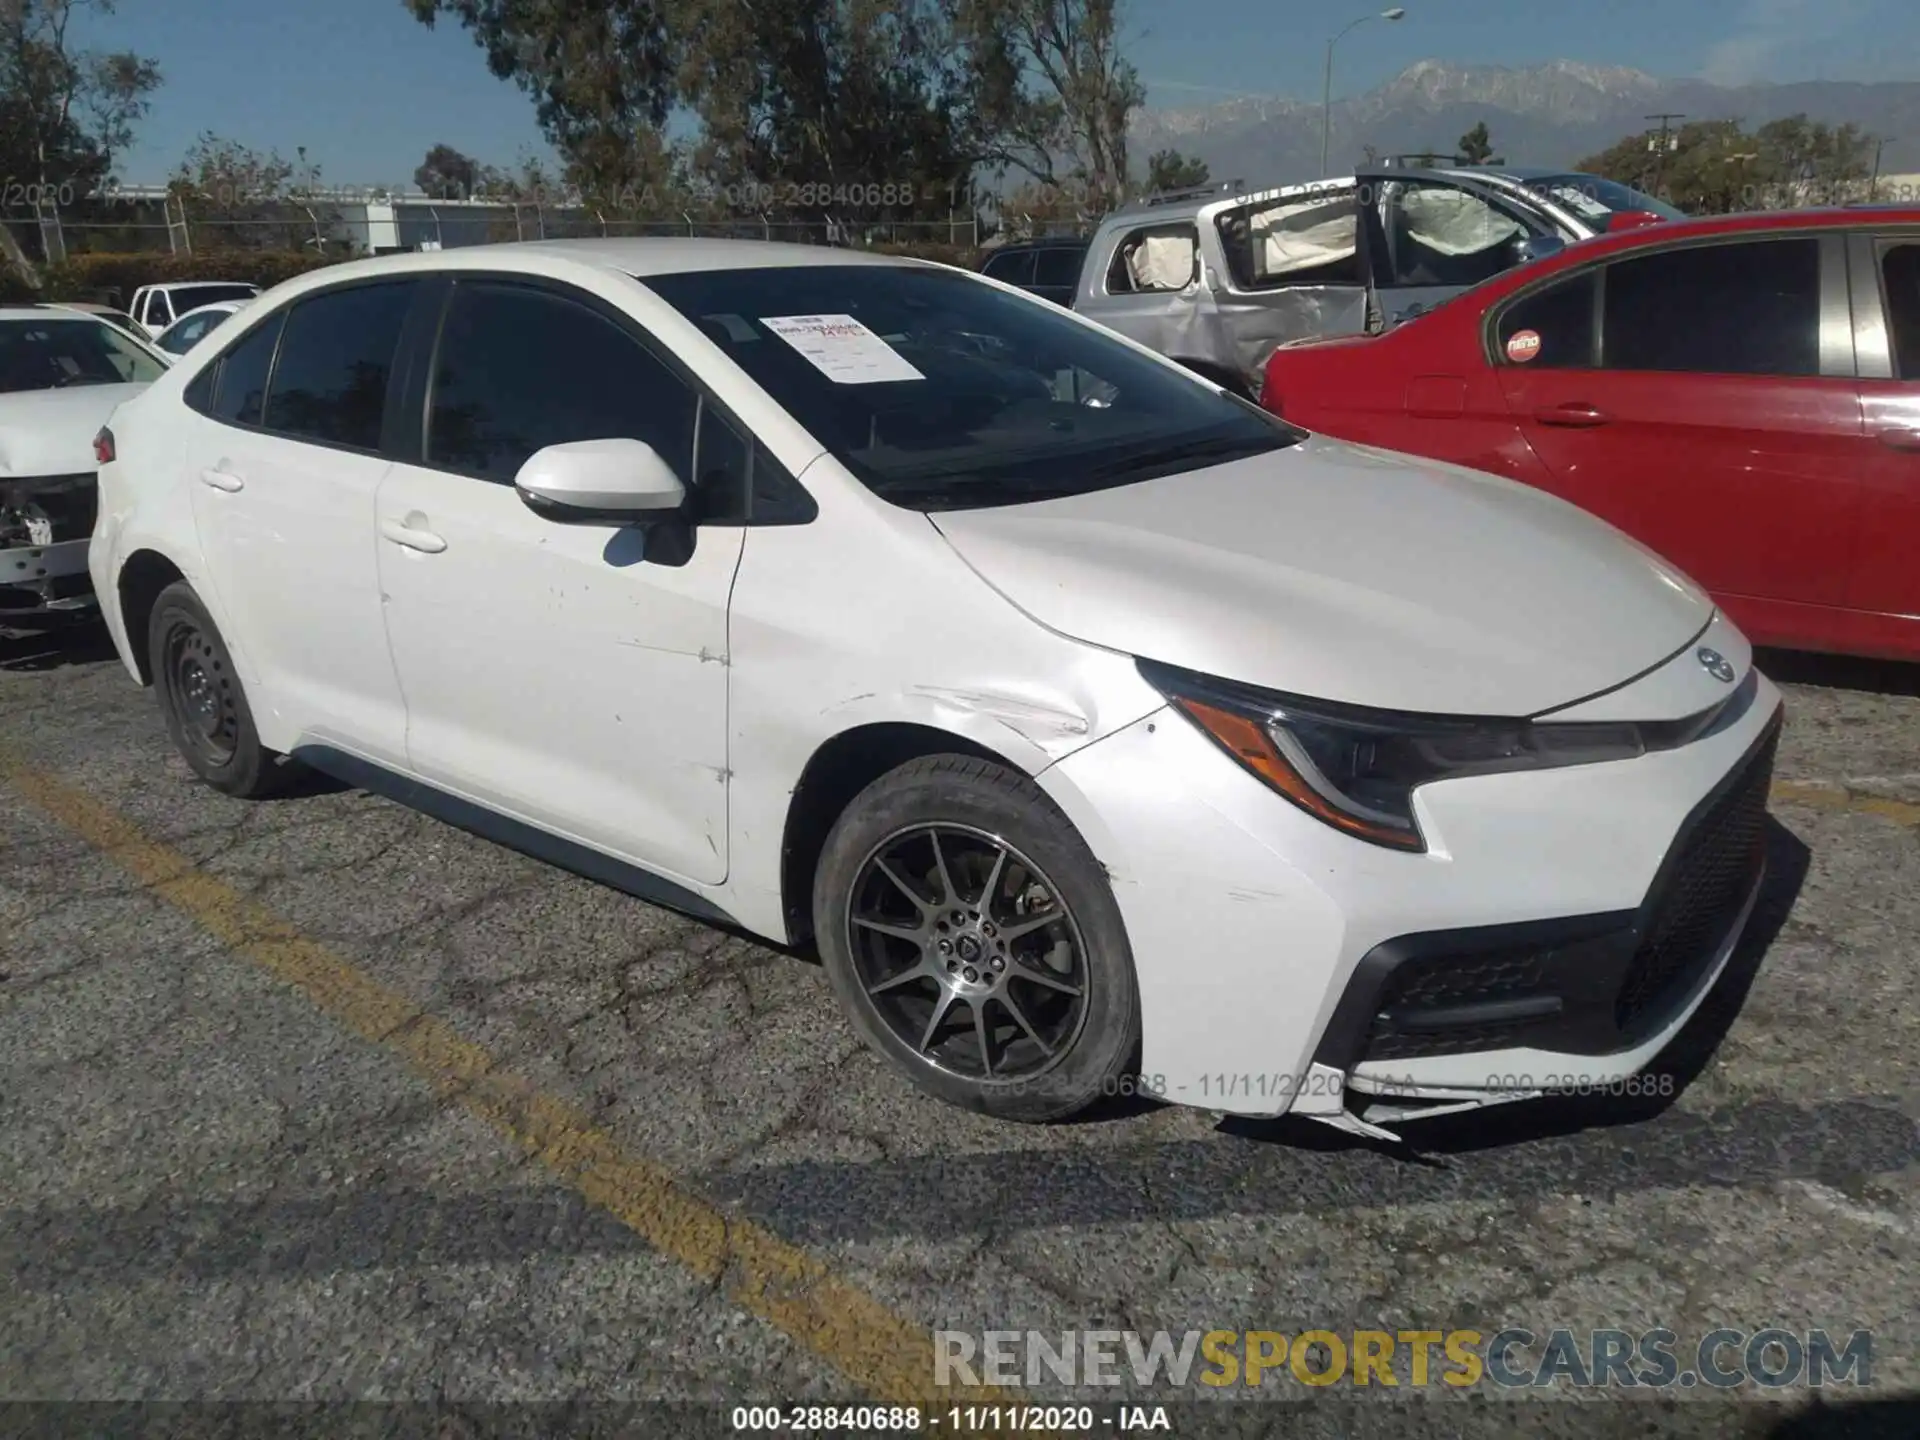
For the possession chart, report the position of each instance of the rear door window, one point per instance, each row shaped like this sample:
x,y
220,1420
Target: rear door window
x,y
240,392
336,358
1311,239
1155,259
1550,329
1745,308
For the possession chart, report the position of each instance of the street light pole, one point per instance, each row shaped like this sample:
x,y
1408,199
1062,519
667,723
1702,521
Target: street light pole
x,y
1326,93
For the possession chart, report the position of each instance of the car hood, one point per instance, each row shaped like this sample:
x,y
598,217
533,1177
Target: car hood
x,y
50,432
1345,573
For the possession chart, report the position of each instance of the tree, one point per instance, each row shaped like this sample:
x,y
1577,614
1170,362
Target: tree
x,y
799,98
1476,147
64,112
599,71
446,174
250,198
1170,170
1057,95
1716,166
830,105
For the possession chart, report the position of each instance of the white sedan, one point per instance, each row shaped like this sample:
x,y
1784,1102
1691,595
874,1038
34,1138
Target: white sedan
x,y
1143,744
62,373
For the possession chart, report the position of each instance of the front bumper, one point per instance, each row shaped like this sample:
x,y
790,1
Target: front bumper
x,y
1555,1004
1561,928
45,525
41,582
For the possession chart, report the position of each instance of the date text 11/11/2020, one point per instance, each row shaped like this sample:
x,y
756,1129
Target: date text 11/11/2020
x,y
1320,1081
958,1419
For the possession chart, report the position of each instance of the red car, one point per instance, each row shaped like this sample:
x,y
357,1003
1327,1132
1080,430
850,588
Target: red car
x,y
1740,394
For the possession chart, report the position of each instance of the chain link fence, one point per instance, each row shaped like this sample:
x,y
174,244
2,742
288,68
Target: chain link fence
x,y
132,223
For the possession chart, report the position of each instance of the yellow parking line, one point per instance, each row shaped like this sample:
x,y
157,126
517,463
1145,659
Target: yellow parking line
x,y
1829,797
886,1356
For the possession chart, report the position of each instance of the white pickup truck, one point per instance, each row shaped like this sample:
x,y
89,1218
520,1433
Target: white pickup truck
x,y
155,307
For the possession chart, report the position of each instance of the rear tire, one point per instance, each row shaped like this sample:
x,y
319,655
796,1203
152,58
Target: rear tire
x,y
204,704
972,939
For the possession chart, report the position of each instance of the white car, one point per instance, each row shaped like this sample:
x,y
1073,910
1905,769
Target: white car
x,y
155,307
194,326
1148,744
62,373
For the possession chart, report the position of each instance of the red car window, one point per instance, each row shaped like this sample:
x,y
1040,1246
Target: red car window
x,y
1746,308
1900,270
1551,328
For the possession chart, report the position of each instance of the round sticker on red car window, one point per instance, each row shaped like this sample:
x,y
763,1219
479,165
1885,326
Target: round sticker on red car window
x,y
1523,346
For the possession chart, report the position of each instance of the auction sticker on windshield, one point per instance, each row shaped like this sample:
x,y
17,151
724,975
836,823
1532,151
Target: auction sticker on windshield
x,y
842,349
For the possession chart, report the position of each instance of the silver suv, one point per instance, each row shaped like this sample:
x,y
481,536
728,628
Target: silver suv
x,y
1219,278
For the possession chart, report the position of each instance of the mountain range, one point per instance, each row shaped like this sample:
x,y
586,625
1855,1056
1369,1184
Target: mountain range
x,y
1552,114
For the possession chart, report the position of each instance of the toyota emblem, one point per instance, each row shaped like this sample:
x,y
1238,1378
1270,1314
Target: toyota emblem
x,y
1715,664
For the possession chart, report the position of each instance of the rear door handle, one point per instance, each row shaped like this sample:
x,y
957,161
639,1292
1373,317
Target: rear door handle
x,y
1900,439
222,480
1578,415
412,537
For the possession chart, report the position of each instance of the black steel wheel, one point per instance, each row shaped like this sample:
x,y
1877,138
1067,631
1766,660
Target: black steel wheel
x,y
203,700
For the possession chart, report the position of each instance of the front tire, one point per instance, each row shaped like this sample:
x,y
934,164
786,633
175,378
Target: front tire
x,y
201,697
972,939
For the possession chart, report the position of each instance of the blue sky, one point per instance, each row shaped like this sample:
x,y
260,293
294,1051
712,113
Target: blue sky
x,y
367,89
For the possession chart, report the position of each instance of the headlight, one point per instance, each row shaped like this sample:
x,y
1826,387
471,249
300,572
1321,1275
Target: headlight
x,y
1357,769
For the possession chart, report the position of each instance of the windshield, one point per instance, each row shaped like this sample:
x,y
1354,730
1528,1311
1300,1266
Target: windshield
x,y
939,391
1596,198
53,354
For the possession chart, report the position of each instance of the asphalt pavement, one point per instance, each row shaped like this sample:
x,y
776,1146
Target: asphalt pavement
x,y
320,1100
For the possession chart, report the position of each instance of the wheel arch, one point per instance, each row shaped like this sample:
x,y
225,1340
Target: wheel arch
x,y
843,766
143,576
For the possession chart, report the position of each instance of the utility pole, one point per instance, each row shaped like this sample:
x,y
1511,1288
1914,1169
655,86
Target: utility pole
x,y
1663,145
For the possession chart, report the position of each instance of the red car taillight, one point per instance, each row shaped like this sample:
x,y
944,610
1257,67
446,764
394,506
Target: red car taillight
x,y
103,447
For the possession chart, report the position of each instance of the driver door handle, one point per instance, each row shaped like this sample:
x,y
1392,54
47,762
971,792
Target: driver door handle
x,y
412,537
1900,439
222,480
1577,415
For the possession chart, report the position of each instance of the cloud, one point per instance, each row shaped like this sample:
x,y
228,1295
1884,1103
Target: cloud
x,y
1773,31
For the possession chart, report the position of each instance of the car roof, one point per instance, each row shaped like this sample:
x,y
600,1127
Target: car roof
x,y
1513,172
1744,222
637,258
200,284
1045,242
44,312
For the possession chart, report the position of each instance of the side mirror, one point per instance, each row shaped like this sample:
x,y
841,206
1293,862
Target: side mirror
x,y
1537,247
600,482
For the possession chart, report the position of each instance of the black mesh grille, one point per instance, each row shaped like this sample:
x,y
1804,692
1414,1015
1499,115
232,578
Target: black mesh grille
x,y
1454,1040
1703,893
1443,981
